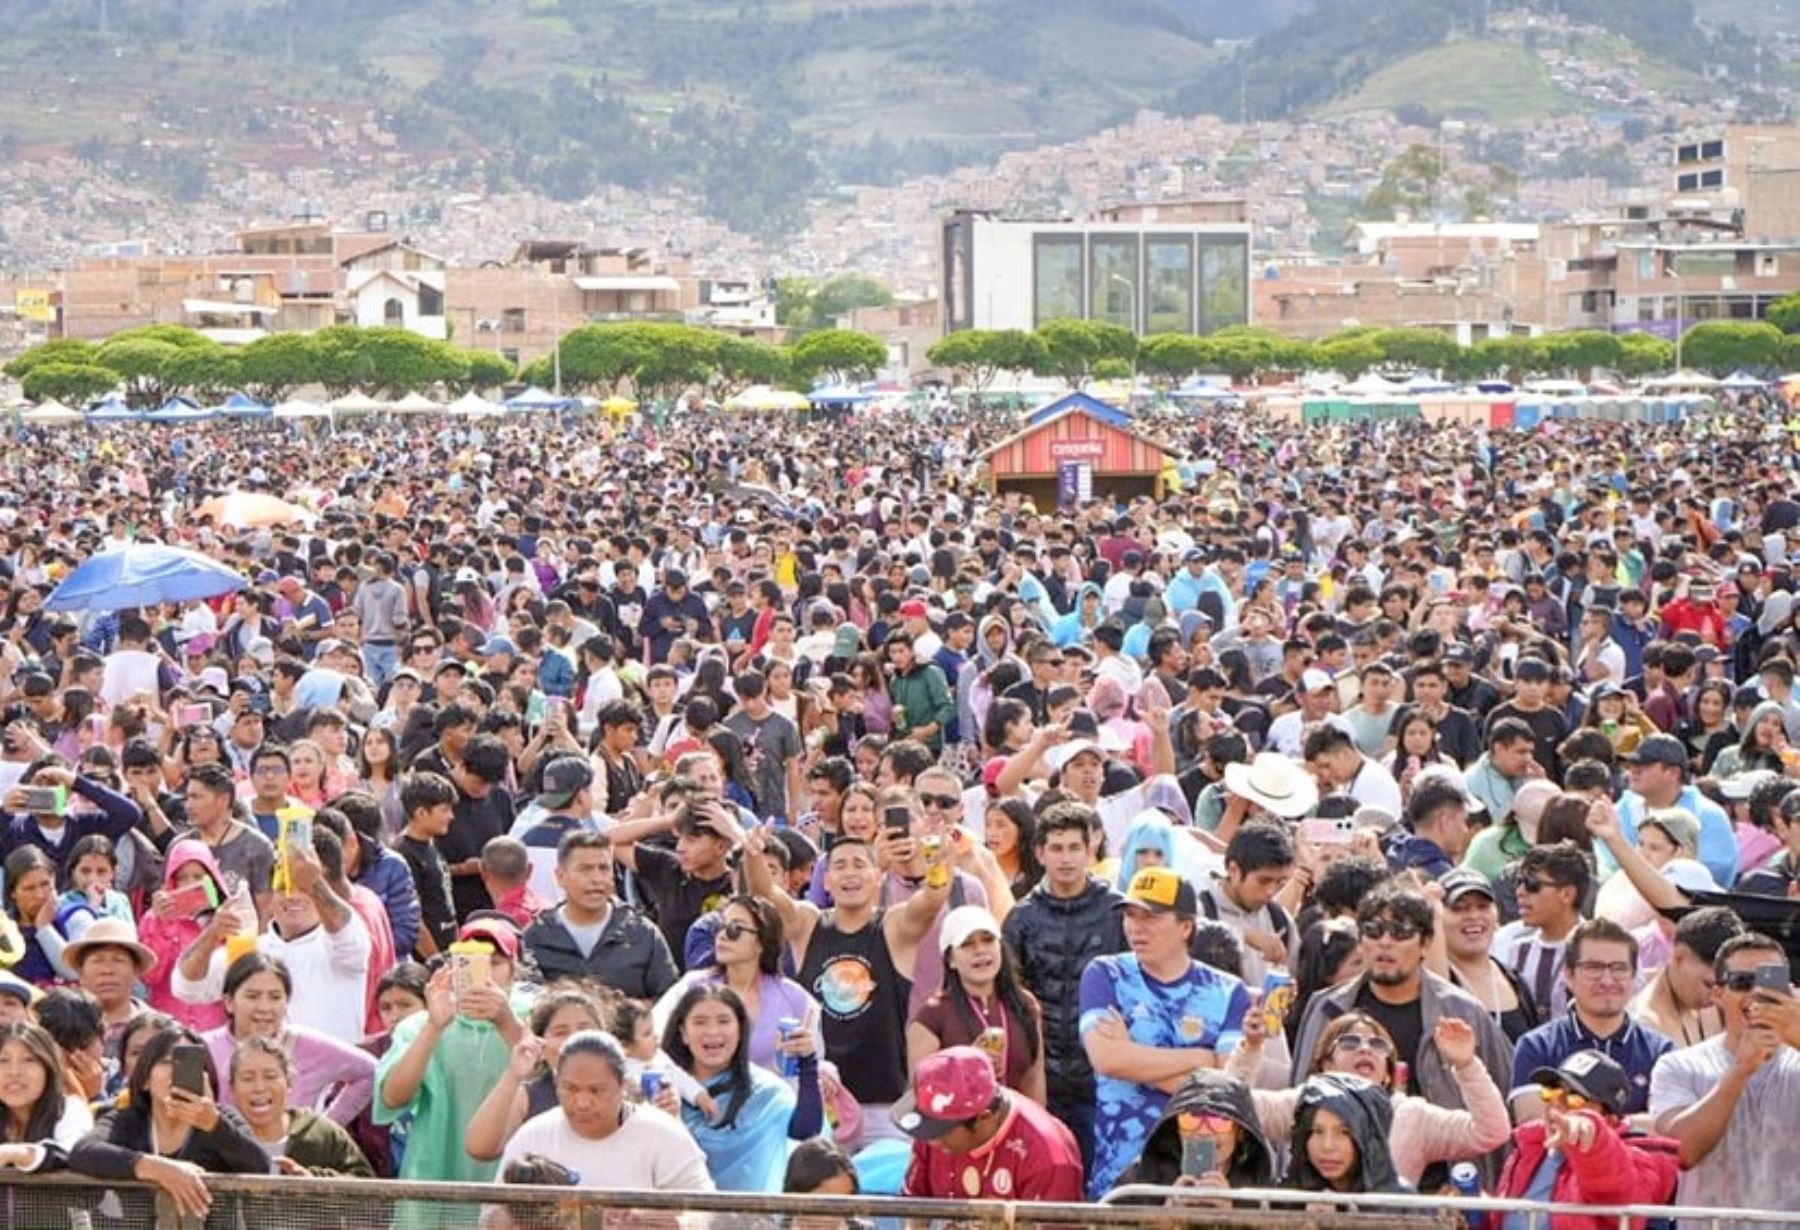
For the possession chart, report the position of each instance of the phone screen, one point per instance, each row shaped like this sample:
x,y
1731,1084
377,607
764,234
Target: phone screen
x,y
189,1068
1773,978
1199,1155
897,820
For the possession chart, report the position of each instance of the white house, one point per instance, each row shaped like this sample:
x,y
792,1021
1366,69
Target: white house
x,y
399,286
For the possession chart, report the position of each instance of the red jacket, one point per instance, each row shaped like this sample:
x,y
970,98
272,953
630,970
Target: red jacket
x,y
1615,1170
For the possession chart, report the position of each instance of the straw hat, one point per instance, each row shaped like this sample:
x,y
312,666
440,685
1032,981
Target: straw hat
x,y
1275,784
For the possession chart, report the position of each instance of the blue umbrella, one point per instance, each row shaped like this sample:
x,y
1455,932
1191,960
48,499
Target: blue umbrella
x,y
140,575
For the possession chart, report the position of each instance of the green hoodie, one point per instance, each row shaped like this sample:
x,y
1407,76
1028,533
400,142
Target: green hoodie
x,y
926,699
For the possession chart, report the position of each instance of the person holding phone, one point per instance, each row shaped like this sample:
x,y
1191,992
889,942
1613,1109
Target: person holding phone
x,y
1209,1136
170,1131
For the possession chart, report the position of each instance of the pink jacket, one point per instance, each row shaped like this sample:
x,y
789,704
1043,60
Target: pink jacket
x,y
1423,1132
169,938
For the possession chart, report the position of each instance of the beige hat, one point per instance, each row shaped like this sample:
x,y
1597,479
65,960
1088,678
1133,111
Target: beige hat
x,y
107,932
1275,784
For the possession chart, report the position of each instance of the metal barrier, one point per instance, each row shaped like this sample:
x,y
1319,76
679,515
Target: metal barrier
x,y
266,1202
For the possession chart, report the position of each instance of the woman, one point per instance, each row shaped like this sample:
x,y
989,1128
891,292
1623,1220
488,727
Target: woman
x,y
1340,1137
31,900
528,1088
1460,951
1010,832
1614,715
876,706
597,1134
1415,746
1356,1046
1330,955
1007,728
1664,834
43,1118
746,1141
169,1136
474,604
1709,731
378,772
982,1004
307,783
301,1142
172,925
1218,1107
257,990
747,950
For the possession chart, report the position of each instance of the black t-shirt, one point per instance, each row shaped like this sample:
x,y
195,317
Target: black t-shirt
x,y
433,884
1548,727
474,824
1405,1022
677,897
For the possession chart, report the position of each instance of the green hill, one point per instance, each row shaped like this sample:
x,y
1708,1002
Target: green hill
x,y
1499,82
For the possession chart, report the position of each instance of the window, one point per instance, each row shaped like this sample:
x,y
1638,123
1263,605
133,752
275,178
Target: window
x,y
1224,283
431,301
1711,149
1687,153
1056,278
511,355
1705,264
1646,309
512,320
393,312
1114,283
1169,271
1712,179
1687,183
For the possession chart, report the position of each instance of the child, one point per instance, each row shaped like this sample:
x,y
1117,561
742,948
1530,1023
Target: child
x,y
93,867
428,801
633,1027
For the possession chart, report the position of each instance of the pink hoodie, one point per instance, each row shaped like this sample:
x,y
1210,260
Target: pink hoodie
x,y
169,938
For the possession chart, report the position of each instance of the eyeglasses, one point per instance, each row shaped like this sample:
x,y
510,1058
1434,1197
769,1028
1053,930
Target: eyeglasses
x,y
1384,928
1555,1095
1204,1125
1536,884
736,930
1618,971
943,802
1375,1044
270,770
1740,980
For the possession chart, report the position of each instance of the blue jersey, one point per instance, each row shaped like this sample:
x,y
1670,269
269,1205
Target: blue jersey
x,y
1204,1009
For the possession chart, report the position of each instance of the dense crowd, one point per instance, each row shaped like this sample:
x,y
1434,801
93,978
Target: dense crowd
x,y
757,805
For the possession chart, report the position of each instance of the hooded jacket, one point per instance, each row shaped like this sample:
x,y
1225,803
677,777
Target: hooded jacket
x,y
1618,1168
1056,938
971,701
1073,628
169,938
1207,1092
1151,831
1367,1114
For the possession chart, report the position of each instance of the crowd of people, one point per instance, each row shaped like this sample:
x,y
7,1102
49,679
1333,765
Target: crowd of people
x,y
759,805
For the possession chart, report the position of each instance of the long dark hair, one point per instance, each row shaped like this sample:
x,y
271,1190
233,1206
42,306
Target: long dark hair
x,y
737,1085
1324,948
1007,989
158,1049
40,1123
767,924
1020,814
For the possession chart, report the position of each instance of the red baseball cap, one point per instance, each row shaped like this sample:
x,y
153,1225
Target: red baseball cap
x,y
496,931
950,1087
914,608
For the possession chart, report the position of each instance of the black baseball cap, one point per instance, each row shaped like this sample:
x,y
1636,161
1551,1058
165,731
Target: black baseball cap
x,y
1592,1075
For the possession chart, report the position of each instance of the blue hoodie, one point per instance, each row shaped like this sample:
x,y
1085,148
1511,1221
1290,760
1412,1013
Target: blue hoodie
x,y
1147,832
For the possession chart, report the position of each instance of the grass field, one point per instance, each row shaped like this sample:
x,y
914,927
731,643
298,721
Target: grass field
x,y
1502,82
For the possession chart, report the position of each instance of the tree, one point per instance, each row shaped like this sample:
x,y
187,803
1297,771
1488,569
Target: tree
x,y
1784,313
208,374
179,336
979,355
1419,348
1071,348
73,384
141,364
1245,350
843,293
483,369
793,303
1644,354
1112,369
1410,182
1582,350
271,368
842,353
1175,356
67,351
1349,357
671,357
1514,358
1725,346
739,362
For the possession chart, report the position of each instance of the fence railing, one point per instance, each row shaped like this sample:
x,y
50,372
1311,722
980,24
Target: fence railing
x,y
266,1202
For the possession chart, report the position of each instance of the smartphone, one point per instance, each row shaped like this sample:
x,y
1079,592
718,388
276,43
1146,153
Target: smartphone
x,y
1199,1155
43,800
535,708
1773,978
195,899
470,971
197,714
1335,832
897,821
190,1068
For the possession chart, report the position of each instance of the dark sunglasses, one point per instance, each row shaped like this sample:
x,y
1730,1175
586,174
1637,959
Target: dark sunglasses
x,y
1535,884
1384,928
736,930
1741,981
1372,1043
943,802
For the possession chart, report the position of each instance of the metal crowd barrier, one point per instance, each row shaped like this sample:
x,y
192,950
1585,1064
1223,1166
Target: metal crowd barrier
x,y
266,1202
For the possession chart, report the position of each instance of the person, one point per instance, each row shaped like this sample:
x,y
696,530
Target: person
x,y
528,1087
323,1073
1337,764
1551,887
982,1004
682,884
1149,1017
1056,930
1218,1106
820,1167
428,802
1435,832
1582,1151
245,858
923,705
973,1139
1259,861
1679,1002
1396,923
565,803
1423,1134
772,748
43,1116
754,1113
1469,918
1719,1099
167,1135
443,1061
168,928
1340,1138
747,951
596,1133
1658,770
590,934
299,1141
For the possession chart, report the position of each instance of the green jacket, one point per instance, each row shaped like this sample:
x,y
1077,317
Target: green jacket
x,y
323,1147
925,696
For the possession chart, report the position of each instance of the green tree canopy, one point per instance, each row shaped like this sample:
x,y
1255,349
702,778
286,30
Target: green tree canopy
x,y
743,361
272,367
979,355
67,351
1350,357
73,384
1429,349
842,354
1784,313
209,374
483,369
1579,352
143,366
1725,346
1643,354
1071,348
1176,356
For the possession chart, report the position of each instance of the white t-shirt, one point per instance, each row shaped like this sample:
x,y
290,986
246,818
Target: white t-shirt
x,y
1752,1166
650,1151
128,672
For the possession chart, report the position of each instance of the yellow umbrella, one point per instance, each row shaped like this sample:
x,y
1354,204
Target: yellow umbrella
x,y
618,407
250,510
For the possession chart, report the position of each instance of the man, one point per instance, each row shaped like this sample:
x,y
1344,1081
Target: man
x,y
673,612
133,668
564,805
1317,695
506,875
108,961
1046,663
1599,659
1468,691
1436,833
591,935
271,772
309,614
1530,705
1396,924
693,879
1259,860
1151,1016
772,748
1457,735
380,609
965,1125
1657,772
923,706
1056,930
246,858
1551,887
1508,763
1598,978
1337,765
483,811
1730,1100
1680,1001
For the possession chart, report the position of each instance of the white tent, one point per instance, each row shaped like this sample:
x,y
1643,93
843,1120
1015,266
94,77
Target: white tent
x,y
1371,385
1556,388
301,410
51,414
1678,381
474,405
416,403
355,402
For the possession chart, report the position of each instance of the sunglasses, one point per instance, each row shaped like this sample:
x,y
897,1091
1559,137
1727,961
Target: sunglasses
x,y
1742,981
1375,1044
736,930
1204,1125
1385,928
943,802
1555,1095
1534,884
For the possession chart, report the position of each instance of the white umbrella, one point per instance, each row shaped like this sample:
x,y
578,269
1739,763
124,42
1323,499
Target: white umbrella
x,y
355,402
416,403
51,414
474,405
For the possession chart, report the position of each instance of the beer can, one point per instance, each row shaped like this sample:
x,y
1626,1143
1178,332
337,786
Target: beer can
x,y
650,1085
787,1027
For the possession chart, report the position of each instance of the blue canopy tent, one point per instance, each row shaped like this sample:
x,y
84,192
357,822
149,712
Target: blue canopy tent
x,y
535,398
178,410
1111,415
1203,390
839,395
1742,381
113,410
1422,382
243,406
1493,386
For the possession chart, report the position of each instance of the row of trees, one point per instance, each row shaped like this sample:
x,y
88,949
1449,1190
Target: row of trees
x,y
662,360
1077,350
